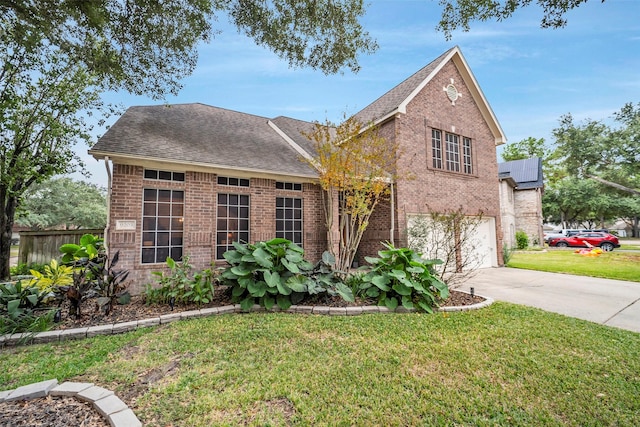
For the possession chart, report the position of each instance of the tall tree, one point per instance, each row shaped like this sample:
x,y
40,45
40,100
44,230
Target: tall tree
x,y
594,150
525,149
356,169
458,14
146,46
42,94
58,55
609,156
63,203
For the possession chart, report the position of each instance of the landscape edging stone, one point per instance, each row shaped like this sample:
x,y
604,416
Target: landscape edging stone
x,y
116,328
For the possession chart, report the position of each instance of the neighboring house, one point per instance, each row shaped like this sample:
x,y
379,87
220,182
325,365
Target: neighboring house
x,y
521,188
191,179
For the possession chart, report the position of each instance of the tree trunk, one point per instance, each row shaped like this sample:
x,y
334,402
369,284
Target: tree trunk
x,y
6,226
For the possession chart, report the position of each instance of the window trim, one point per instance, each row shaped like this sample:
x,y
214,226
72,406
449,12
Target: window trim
x,y
284,233
180,218
174,176
238,218
239,182
453,153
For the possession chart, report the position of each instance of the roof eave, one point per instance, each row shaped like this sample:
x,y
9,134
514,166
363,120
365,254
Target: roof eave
x,y
155,162
470,81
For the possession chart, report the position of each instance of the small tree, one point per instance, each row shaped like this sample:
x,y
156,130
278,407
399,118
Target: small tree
x,y
448,236
356,170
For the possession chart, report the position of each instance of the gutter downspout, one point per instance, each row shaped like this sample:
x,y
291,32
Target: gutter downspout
x,y
107,228
393,215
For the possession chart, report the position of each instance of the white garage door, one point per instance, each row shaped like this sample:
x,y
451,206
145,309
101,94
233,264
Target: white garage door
x,y
486,243
435,240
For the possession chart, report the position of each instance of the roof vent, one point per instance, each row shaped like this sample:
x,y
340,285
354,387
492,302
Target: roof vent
x,y
452,93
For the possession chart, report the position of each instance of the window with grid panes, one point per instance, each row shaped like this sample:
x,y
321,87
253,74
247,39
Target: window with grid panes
x,y
452,152
232,222
162,225
467,157
436,148
289,219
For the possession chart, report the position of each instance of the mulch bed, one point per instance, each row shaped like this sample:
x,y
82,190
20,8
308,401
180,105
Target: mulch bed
x,y
137,309
50,412
68,411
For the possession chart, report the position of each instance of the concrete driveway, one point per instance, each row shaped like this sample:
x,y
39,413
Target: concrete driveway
x,y
608,302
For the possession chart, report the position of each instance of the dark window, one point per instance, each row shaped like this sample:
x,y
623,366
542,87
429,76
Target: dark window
x,y
436,148
293,186
162,225
232,222
456,157
452,152
233,182
289,219
163,175
467,157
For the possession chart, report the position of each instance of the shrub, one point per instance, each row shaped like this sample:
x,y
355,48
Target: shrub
x,y
507,252
24,269
181,284
402,276
20,308
275,272
522,240
93,274
53,275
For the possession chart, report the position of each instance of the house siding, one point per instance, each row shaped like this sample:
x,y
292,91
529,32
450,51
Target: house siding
x,y
427,189
201,191
528,213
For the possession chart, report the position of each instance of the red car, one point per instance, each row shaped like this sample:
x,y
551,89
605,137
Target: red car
x,y
607,242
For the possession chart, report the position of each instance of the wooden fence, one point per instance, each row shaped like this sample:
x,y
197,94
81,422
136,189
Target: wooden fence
x,y
43,246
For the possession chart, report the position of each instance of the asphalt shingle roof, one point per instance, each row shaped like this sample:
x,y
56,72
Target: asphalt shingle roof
x,y
396,96
202,134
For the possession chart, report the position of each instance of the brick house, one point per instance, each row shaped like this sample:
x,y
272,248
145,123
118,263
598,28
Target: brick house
x,y
191,178
521,189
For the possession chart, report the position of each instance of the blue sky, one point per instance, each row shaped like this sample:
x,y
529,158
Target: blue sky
x,y
530,76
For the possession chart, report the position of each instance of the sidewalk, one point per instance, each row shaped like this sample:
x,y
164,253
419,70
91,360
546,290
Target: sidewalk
x,y
607,302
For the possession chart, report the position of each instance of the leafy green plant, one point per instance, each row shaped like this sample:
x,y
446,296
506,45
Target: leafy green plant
x,y
90,247
181,284
19,308
507,253
522,240
324,278
109,282
54,275
24,269
402,276
93,271
267,273
275,272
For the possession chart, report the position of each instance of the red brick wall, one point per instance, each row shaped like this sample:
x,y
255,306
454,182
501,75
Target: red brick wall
x,y
200,218
420,188
435,189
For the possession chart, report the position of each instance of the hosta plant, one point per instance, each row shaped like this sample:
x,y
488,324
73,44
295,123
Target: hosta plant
x,y
401,276
275,272
55,274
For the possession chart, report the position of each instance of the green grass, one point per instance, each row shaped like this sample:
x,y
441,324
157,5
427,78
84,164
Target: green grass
x,y
609,265
503,365
14,250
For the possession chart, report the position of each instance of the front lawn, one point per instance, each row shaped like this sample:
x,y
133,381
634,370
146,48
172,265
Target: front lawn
x,y
609,265
503,365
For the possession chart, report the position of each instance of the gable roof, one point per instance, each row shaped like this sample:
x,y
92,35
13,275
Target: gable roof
x,y
205,137
396,100
201,135
526,173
